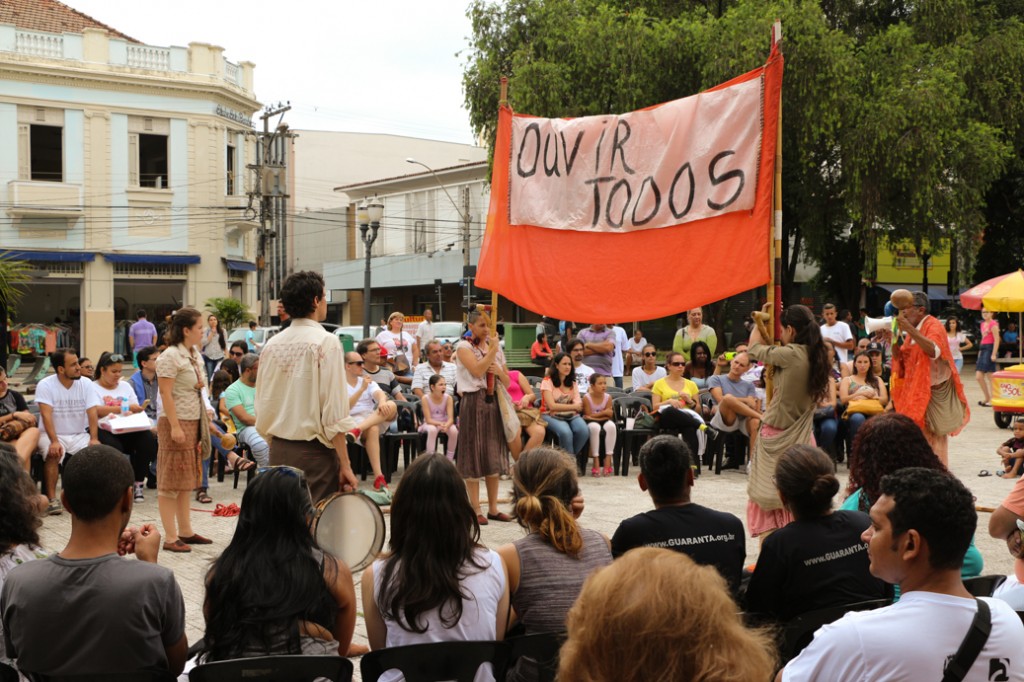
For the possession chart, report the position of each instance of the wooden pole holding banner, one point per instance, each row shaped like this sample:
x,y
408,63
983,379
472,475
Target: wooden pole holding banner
x,y
775,286
502,101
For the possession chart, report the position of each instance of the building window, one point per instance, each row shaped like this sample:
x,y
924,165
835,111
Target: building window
x,y
153,161
230,165
420,236
46,153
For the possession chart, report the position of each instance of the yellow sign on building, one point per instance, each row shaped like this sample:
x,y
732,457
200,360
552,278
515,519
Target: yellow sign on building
x,y
900,264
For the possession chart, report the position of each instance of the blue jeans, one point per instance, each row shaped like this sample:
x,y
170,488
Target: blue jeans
x,y
854,422
825,432
618,381
572,435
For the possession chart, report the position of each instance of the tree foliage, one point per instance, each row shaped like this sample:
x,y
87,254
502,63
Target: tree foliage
x,y
899,118
230,312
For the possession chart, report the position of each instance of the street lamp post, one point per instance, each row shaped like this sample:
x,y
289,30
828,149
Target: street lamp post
x,y
368,217
463,214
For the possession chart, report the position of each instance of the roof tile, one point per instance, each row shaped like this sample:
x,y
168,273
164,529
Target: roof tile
x,y
52,17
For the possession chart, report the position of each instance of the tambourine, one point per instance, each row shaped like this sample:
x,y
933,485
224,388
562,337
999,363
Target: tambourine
x,y
349,526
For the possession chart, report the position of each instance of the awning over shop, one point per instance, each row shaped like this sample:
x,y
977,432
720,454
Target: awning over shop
x,y
53,256
239,265
151,259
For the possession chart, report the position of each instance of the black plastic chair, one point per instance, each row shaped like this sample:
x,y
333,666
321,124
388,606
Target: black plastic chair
x,y
8,674
625,407
149,675
275,669
409,441
798,632
458,661
542,648
983,585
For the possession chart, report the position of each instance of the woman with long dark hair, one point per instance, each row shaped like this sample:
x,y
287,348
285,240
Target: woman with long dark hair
x,y
437,583
214,344
885,444
179,460
562,405
861,388
818,560
273,591
547,568
800,380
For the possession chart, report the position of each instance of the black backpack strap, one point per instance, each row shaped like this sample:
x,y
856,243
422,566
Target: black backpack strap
x,y
981,628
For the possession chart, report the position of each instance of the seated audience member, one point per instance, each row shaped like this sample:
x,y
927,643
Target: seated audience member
x,y
1010,339
237,350
240,400
137,619
273,591
231,367
876,352
657,615
921,527
819,559
19,520
139,446
600,419
369,407
17,424
437,583
709,537
674,398
861,347
888,443
88,368
862,388
540,351
649,372
546,569
826,419
738,407
701,366
837,370
598,348
144,382
373,369
574,347
1011,453
439,416
435,364
530,420
400,348
562,405
634,355
67,418
1002,525
447,351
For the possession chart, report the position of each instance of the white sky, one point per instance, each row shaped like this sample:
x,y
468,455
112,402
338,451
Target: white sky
x,y
388,66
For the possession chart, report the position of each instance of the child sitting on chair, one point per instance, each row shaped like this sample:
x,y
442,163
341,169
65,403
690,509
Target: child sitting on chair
x,y
1012,451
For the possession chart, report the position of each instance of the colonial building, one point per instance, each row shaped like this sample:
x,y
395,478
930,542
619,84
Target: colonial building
x,y
122,172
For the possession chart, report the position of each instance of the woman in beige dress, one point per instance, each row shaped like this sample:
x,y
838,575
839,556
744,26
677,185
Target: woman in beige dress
x,y
179,459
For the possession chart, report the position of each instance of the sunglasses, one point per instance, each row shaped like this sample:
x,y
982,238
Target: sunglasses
x,y
677,364
355,362
110,359
650,355
237,354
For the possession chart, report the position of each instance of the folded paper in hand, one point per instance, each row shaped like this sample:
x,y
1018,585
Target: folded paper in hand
x,y
133,422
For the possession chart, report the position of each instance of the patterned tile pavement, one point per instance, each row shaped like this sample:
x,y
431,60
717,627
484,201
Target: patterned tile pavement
x,y
608,501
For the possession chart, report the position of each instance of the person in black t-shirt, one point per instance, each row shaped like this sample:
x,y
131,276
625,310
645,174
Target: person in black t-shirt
x,y
17,424
818,560
709,537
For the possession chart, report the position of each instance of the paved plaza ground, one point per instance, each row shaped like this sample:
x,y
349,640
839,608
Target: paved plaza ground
x,y
608,501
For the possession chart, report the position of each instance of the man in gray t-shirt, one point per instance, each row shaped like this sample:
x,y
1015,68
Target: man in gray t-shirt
x,y
89,610
738,407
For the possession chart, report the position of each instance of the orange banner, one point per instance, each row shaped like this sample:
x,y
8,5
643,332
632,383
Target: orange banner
x,y
614,267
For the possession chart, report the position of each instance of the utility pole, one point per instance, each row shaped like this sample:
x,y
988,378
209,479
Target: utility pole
x,y
271,187
466,219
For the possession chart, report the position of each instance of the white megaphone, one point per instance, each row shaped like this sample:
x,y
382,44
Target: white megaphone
x,y
874,324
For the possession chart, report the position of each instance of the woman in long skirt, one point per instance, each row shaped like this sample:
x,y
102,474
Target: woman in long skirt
x,y
482,449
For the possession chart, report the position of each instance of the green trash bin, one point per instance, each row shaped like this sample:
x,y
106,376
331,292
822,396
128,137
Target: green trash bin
x,y
348,343
520,334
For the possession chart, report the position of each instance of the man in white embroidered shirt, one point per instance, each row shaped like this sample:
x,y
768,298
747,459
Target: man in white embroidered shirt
x,y
301,395
920,529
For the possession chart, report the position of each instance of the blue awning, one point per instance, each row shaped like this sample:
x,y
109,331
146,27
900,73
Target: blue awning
x,y
150,259
57,256
239,265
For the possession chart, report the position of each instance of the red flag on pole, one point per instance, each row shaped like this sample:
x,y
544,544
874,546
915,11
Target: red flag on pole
x,y
640,215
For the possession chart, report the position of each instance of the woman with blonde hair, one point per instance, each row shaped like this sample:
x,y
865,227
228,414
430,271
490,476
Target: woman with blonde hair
x,y
547,568
656,615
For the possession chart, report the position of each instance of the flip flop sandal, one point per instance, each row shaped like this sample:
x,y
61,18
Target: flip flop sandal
x,y
243,464
202,497
984,472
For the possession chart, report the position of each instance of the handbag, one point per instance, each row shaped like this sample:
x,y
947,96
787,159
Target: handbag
x,y
644,419
867,406
205,445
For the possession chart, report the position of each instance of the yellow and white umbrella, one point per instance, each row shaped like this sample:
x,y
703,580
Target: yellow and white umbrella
x,y
1003,294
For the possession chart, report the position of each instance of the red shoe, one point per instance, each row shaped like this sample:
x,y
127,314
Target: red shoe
x,y
595,472
608,471
380,483
481,519
352,437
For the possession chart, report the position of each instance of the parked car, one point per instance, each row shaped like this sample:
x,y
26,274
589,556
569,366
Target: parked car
x,y
260,335
448,331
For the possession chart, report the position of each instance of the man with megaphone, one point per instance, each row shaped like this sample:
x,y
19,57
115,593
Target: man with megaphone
x,y
925,385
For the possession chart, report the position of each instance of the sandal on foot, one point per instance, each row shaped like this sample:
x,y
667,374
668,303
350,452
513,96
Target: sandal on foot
x,y
244,464
196,539
608,471
177,546
984,472
481,519
595,472
500,516
202,497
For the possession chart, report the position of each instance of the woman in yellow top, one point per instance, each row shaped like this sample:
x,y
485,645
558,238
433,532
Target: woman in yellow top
x,y
675,399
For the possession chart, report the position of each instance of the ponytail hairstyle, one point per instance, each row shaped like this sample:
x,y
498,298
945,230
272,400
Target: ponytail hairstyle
x,y
805,476
807,333
544,483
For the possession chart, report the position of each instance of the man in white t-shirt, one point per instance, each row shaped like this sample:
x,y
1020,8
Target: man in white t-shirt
x,y
921,527
635,350
618,361
583,372
837,332
425,330
67,418
370,407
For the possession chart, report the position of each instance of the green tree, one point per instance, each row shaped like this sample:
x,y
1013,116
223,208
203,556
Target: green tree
x,y
230,313
14,275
